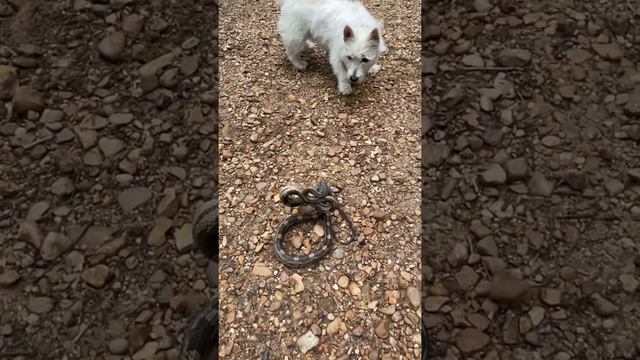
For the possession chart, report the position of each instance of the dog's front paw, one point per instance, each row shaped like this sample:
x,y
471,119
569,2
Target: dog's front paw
x,y
374,70
345,89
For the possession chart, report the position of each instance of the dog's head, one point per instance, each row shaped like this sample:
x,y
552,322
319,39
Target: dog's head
x,y
361,50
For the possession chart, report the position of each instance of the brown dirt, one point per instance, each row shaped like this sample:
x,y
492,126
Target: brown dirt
x,y
67,161
566,232
283,127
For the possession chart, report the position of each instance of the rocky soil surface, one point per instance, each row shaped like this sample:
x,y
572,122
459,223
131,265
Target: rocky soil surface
x,y
531,170
108,135
278,127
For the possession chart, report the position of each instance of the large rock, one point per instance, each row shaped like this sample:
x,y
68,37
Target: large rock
x,y
54,245
382,328
184,238
514,57
96,276
40,304
506,288
632,107
494,175
132,198
539,185
434,154
30,232
516,169
611,51
157,236
26,99
168,206
9,278
8,81
112,46
471,340
110,147
154,66
603,306
307,342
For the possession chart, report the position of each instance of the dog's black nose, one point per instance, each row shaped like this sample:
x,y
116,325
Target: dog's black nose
x,y
353,78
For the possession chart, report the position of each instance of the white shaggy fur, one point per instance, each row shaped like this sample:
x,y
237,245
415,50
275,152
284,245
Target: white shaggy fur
x,y
344,28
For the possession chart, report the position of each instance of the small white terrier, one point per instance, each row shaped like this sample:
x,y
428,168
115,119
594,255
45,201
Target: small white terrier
x,y
344,28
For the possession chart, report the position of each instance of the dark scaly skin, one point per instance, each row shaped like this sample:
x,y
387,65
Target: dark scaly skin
x,y
201,343
426,348
205,229
201,338
324,202
202,335
314,256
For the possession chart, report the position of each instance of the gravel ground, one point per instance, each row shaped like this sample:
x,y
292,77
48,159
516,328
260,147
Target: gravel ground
x,y
110,134
283,127
531,173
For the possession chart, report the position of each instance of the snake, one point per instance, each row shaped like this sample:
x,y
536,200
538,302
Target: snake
x,y
201,336
324,202
205,229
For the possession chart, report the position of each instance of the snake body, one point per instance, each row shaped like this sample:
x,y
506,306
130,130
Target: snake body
x,y
324,202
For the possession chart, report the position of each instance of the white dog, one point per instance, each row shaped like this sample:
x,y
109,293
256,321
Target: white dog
x,y
344,28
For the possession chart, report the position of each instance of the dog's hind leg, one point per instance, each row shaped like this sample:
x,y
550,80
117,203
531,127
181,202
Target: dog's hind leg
x,y
294,46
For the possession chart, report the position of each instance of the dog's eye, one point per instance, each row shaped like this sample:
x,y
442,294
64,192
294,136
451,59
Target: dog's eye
x,y
365,60
349,57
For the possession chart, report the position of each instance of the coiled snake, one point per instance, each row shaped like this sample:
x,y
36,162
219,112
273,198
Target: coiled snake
x,y
324,202
202,336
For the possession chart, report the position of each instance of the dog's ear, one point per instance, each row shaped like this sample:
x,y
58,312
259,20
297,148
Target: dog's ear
x,y
347,33
375,35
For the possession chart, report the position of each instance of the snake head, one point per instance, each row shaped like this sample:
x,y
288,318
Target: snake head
x,y
323,188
